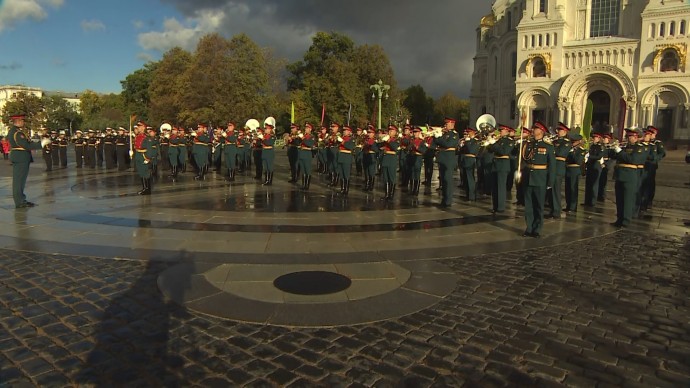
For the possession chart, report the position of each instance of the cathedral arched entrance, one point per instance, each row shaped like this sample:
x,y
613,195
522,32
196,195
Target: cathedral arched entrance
x,y
606,86
601,112
667,107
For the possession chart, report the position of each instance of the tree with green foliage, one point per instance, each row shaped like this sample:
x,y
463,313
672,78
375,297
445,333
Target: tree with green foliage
x,y
165,86
135,91
28,104
337,74
60,113
449,105
420,106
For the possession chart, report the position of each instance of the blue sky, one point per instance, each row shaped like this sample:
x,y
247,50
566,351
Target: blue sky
x,y
78,44
73,45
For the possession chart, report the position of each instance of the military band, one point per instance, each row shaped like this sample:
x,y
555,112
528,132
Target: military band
x,y
538,163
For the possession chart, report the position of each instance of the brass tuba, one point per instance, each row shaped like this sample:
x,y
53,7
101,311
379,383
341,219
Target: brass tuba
x,y
486,125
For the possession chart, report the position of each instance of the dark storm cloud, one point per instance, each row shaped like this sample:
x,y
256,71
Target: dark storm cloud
x,y
430,43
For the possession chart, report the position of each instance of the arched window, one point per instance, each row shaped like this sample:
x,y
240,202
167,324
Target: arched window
x,y
538,68
543,5
662,29
669,61
672,29
532,43
548,40
509,16
681,30
555,39
513,59
540,41
524,41
652,31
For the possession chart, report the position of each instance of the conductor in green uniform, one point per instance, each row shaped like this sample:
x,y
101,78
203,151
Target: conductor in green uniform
x,y
20,157
538,154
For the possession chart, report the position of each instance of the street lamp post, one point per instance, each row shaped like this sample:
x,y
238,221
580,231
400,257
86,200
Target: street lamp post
x,y
379,90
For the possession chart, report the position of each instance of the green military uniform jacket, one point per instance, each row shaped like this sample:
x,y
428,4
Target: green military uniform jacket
x,y
21,146
562,147
501,151
541,164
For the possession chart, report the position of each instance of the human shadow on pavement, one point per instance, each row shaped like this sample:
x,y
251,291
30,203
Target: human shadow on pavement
x,y
131,341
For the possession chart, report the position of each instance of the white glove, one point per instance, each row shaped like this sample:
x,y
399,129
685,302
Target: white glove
x,y
45,141
586,158
131,153
467,138
618,149
340,139
194,133
601,161
146,161
301,135
386,138
167,136
492,140
223,134
438,134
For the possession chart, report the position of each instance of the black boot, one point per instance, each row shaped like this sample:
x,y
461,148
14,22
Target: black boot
x,y
232,175
415,187
304,182
143,187
269,179
307,182
149,181
346,187
173,173
387,192
371,183
392,192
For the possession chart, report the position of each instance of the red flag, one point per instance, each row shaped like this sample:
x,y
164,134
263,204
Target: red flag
x,y
323,113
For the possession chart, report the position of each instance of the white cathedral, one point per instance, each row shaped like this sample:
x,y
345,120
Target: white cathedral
x,y
543,59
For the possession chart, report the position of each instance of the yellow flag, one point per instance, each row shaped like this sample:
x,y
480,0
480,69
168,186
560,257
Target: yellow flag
x,y
292,113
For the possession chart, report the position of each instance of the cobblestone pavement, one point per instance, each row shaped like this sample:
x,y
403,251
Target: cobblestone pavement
x,y
612,311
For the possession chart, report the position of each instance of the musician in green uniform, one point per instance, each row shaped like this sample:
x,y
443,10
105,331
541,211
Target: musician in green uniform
x,y
369,151
538,155
573,169
200,149
651,166
345,145
607,166
561,148
292,144
627,177
267,153
643,170
20,157
446,143
593,166
416,150
174,151
388,146
230,150
501,149
469,150
307,143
